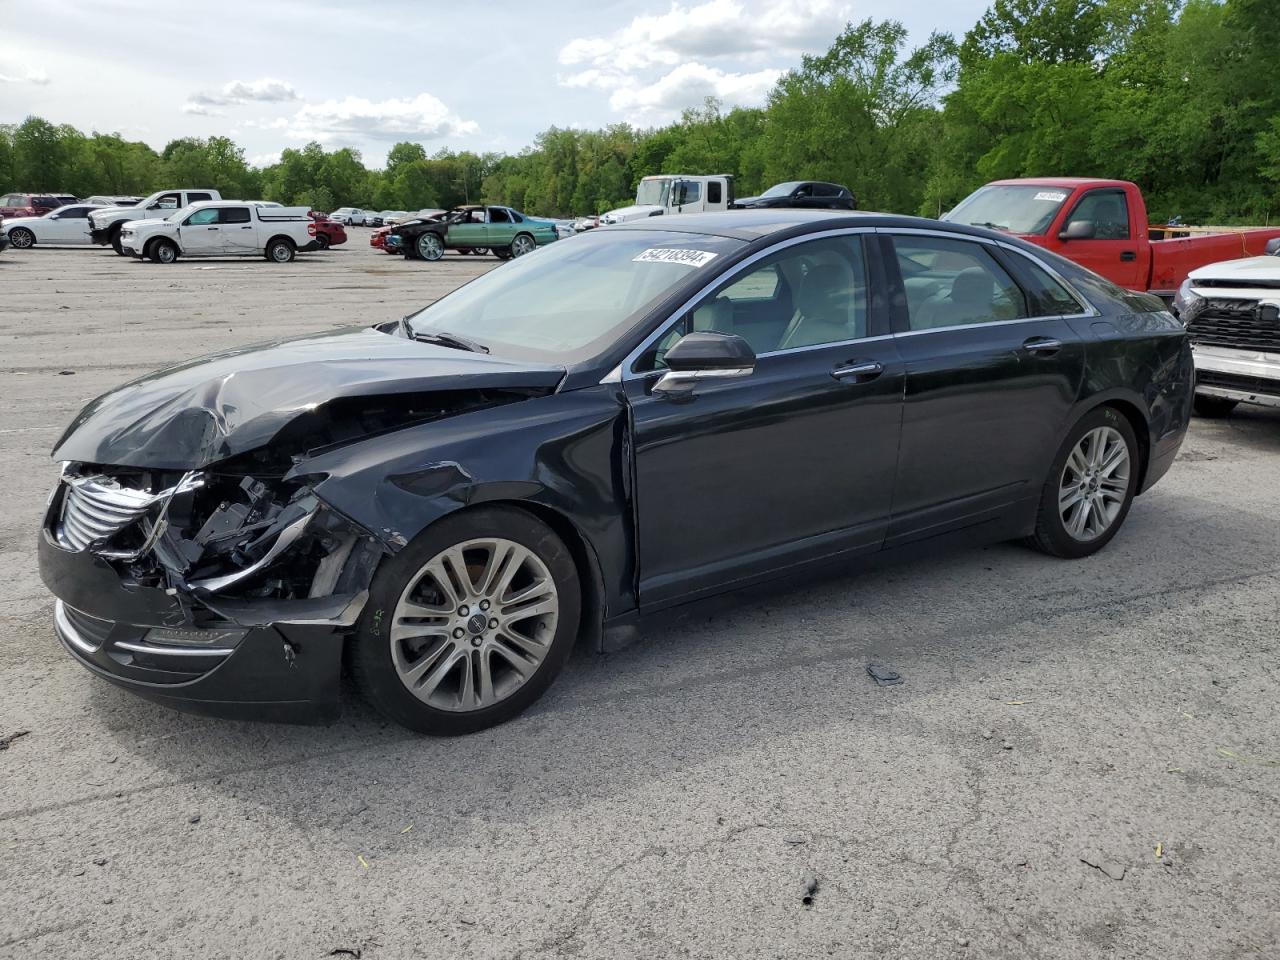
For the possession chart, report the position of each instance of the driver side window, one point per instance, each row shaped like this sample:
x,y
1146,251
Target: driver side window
x,y
202,217
1107,210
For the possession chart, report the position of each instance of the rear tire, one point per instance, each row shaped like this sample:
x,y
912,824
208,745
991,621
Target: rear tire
x,y
322,241
1211,408
426,653
521,244
280,250
163,251
1090,486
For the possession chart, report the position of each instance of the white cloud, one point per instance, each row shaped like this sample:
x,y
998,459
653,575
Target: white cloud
x,y
264,159
658,64
200,110
688,85
239,92
17,73
422,118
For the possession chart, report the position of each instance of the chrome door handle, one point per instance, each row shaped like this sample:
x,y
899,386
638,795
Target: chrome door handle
x,y
1045,345
858,370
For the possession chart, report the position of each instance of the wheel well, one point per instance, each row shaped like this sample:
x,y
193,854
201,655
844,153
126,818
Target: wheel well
x,y
150,246
1138,422
286,239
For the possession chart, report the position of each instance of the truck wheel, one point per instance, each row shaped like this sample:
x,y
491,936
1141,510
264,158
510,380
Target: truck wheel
x,y
430,246
22,238
163,251
280,250
521,244
467,625
116,244
1207,406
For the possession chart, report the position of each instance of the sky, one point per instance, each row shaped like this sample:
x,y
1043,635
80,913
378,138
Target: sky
x,y
475,76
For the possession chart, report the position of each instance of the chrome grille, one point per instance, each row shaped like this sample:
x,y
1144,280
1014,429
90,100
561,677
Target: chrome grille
x,y
96,508
1242,324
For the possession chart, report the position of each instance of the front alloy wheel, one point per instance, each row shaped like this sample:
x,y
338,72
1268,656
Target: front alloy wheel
x,y
22,238
522,244
430,246
469,624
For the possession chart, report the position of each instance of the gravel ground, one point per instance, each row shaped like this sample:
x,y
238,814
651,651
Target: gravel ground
x,y
1083,761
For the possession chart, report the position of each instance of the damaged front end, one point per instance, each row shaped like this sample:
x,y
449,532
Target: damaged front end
x,y
236,583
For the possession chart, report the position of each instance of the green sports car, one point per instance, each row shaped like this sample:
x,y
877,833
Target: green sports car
x,y
506,233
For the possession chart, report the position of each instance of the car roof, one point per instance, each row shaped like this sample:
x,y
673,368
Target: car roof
x,y
753,224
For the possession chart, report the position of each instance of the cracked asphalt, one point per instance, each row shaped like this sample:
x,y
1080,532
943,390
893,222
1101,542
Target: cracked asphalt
x,y
1083,760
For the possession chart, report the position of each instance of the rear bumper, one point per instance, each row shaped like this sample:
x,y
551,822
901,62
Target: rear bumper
x,y
162,648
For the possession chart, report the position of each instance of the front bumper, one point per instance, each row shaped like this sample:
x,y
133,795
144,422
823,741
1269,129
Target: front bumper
x,y
100,236
4,241
169,649
1250,376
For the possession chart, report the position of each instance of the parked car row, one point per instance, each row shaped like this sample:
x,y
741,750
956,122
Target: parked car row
x,y
176,223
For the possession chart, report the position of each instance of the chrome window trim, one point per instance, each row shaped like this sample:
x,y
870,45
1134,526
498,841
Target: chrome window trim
x,y
627,367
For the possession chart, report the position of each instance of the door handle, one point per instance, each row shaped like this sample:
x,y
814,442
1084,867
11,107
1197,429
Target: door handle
x,y
246,228
858,371
1045,346
213,228
1129,255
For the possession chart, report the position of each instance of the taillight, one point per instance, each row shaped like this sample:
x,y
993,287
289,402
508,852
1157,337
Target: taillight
x,y
311,228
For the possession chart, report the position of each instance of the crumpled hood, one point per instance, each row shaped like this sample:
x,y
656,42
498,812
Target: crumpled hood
x,y
633,212
205,410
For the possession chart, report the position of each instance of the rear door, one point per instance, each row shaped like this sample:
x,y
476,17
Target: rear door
x,y
239,230
500,228
794,462
1118,249
990,382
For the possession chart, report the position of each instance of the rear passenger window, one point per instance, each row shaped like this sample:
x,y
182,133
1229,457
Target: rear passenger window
x,y
235,214
196,197
1049,298
952,283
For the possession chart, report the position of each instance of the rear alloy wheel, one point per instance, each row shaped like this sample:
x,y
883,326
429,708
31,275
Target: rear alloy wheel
x,y
521,244
1206,406
469,624
163,251
1090,487
280,251
430,246
21,238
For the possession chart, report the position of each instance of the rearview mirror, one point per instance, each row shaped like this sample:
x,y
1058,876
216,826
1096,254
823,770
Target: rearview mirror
x,y
1079,230
704,355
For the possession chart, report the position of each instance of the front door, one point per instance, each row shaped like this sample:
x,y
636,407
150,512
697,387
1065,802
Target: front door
x,y
795,462
1117,249
200,234
70,225
470,231
989,385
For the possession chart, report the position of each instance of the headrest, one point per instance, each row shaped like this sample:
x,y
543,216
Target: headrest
x,y
973,287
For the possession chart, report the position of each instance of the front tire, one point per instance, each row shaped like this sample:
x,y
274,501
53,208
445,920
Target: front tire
x,y
1090,486
20,238
469,624
430,246
1211,408
116,243
163,251
280,250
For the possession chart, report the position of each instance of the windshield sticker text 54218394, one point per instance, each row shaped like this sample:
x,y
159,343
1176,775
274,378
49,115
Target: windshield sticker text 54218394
x,y
688,258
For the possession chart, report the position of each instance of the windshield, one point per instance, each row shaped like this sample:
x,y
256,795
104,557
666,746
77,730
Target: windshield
x,y
572,300
653,192
1017,208
781,189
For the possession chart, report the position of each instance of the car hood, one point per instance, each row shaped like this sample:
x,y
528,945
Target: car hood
x,y
1245,272
148,222
19,222
633,212
205,410
111,211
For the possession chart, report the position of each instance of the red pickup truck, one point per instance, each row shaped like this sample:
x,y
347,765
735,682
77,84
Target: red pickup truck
x,y
1102,225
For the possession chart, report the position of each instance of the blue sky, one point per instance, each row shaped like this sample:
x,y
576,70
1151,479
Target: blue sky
x,y
467,76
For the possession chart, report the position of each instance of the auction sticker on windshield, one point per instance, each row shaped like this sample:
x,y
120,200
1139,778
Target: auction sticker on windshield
x,y
689,258
1051,195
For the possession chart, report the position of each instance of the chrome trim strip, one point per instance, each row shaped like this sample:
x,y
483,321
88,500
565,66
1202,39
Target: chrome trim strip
x,y
286,538
992,323
165,651
68,631
628,373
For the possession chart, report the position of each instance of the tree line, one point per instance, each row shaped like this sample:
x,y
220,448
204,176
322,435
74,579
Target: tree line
x,y
1183,98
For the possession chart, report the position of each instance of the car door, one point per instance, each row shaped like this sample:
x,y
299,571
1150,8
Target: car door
x,y
69,225
990,383
793,463
500,229
200,233
239,231
1113,250
470,231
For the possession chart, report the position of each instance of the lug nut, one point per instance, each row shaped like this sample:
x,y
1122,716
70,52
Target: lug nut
x,y
463,610
457,633
475,641
493,623
484,604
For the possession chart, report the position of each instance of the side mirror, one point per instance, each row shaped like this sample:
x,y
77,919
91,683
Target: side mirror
x,y
1079,230
704,355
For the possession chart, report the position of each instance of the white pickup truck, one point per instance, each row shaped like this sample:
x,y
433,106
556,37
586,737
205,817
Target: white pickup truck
x,y
222,228
1232,313
105,224
675,193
